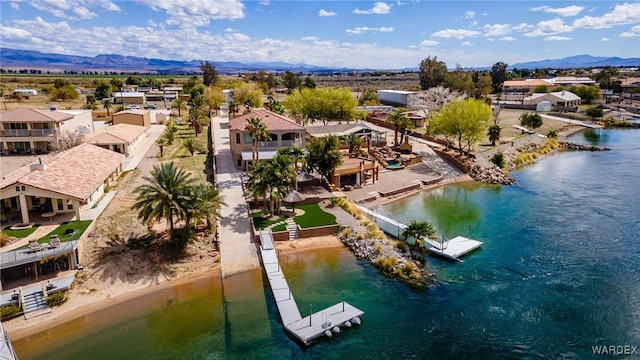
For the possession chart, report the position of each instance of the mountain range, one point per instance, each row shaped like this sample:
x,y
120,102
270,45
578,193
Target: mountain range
x,y
27,59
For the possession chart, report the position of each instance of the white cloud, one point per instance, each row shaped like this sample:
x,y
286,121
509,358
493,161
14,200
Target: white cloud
x,y
622,14
454,34
429,43
628,34
309,38
636,29
572,10
549,27
557,38
466,43
522,27
379,8
605,39
72,9
14,5
238,37
323,13
13,33
496,29
507,38
469,14
83,12
196,13
264,2
362,29
230,30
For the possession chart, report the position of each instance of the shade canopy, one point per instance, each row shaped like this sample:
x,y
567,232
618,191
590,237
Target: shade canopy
x,y
294,197
304,177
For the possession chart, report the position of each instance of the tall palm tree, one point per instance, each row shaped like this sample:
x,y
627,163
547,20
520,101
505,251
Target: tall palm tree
x,y
258,182
494,134
197,119
418,230
259,132
106,103
179,104
404,125
395,119
203,202
234,107
163,195
281,180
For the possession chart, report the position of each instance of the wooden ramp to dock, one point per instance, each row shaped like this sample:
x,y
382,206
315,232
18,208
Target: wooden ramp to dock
x,y
321,323
451,249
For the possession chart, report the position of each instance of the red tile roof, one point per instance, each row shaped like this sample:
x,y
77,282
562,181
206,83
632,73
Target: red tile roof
x,y
75,173
33,116
271,120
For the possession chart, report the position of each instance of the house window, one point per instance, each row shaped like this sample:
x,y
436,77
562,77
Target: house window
x,y
248,139
237,138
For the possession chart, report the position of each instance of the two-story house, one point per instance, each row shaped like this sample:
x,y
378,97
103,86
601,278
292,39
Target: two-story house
x,y
33,131
283,132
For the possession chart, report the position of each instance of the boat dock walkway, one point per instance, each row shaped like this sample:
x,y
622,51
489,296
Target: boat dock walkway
x,y
321,323
451,249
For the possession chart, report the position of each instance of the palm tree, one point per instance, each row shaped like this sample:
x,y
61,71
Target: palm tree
x,y
418,230
258,182
404,125
106,103
204,202
531,120
192,145
354,142
161,142
234,107
179,104
197,119
259,132
282,177
494,134
164,195
395,118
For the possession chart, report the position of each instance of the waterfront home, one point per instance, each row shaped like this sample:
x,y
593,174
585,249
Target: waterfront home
x,y
559,98
66,182
33,131
283,132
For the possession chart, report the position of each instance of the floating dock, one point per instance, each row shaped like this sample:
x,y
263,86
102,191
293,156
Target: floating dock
x,y
325,322
451,249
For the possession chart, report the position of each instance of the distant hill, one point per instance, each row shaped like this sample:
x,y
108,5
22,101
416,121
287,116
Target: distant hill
x,y
12,58
578,61
26,59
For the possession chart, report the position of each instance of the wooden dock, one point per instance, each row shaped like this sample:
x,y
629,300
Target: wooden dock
x,y
451,249
325,322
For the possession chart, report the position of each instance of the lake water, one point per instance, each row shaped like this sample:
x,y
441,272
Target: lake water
x,y
559,273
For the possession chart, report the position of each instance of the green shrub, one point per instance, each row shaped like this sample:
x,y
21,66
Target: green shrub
x,y
403,246
57,298
408,269
498,159
9,310
552,134
595,112
386,264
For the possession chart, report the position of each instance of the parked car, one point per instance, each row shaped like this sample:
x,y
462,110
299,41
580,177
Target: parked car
x,y
150,106
133,107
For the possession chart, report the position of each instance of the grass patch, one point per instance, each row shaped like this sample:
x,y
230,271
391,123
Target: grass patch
x,y
281,227
259,222
314,216
21,234
64,231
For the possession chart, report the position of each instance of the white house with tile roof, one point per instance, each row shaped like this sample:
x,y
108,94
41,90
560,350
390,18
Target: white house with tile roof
x,y
122,138
66,183
283,132
559,98
34,131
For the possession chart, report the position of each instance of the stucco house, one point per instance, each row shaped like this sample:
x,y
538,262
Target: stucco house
x,y
283,132
560,98
34,131
133,117
122,138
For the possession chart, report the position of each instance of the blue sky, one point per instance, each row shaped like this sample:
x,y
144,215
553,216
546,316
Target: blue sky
x,y
355,34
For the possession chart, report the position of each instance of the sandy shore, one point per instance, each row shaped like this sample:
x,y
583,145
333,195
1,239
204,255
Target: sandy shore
x,y
83,302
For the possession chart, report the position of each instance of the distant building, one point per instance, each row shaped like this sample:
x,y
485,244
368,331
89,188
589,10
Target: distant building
x,y
26,92
396,97
133,117
560,98
129,97
630,87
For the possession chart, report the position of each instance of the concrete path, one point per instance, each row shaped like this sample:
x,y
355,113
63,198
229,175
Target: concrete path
x,y
238,251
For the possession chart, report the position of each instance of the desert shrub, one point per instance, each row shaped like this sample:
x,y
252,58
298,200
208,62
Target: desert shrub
x,y
498,159
347,232
386,264
408,269
57,298
334,201
403,246
4,239
360,236
378,249
552,134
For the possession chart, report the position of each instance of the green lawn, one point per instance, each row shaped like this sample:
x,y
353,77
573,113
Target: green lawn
x,y
313,216
21,234
78,229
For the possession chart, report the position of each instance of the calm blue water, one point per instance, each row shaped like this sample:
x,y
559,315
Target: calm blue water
x,y
558,274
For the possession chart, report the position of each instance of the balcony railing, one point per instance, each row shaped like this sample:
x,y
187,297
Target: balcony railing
x,y
269,144
42,132
16,132
290,143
